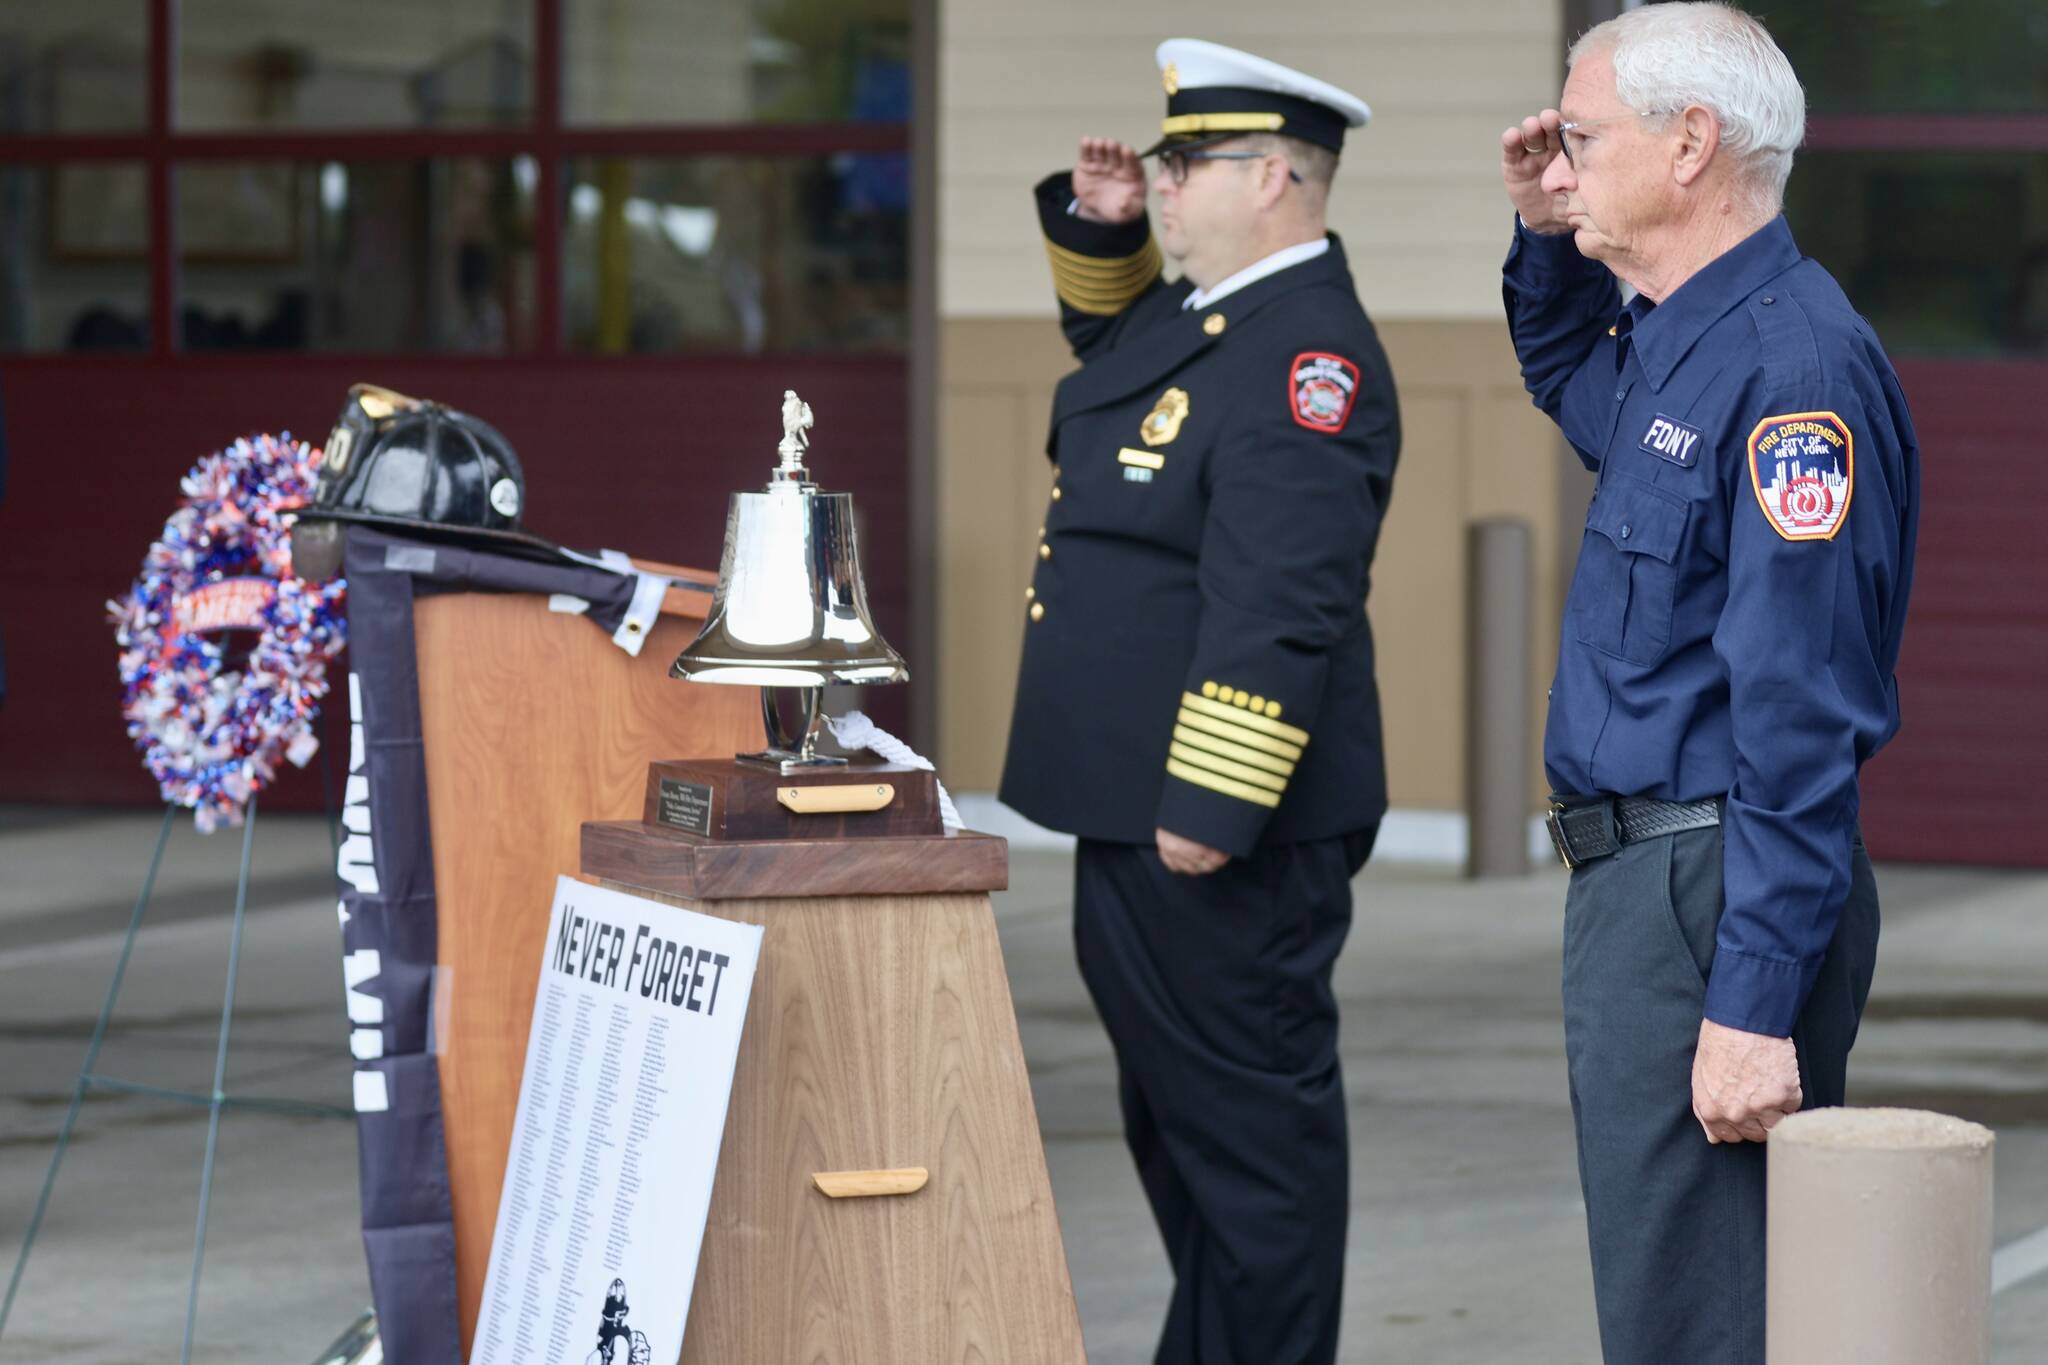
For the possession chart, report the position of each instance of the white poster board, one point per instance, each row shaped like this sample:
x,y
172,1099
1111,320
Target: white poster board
x,y
629,1065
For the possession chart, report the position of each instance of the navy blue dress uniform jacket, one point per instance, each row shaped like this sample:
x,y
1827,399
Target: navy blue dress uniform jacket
x,y
1196,651
1736,615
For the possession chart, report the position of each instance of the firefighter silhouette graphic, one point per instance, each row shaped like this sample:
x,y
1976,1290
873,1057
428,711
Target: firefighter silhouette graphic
x,y
613,1334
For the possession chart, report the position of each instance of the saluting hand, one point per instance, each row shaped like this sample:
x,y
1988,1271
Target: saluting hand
x,y
1109,181
1743,1084
1526,151
1187,857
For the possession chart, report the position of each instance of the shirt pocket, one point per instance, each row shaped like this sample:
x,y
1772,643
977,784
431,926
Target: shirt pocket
x,y
1626,586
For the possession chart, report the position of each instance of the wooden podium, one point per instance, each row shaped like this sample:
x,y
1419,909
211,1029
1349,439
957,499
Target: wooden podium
x,y
533,721
880,1035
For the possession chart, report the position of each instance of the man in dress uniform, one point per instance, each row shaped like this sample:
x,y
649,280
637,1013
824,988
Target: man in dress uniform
x,y
1196,701
1728,648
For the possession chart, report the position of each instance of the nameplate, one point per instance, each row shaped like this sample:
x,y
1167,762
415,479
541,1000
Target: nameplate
x,y
685,806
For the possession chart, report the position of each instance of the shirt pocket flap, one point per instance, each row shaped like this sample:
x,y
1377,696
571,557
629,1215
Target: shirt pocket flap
x,y
1639,518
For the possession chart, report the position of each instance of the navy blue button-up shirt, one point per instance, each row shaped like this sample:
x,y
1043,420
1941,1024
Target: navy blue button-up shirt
x,y
1735,618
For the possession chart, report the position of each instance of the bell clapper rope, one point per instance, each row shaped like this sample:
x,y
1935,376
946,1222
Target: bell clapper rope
x,y
854,731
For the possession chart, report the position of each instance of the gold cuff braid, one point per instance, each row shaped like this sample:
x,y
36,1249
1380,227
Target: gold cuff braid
x,y
1103,286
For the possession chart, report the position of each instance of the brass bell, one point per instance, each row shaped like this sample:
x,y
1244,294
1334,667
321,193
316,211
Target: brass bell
x,y
791,610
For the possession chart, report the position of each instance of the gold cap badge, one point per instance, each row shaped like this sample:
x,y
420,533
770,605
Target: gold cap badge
x,y
1169,76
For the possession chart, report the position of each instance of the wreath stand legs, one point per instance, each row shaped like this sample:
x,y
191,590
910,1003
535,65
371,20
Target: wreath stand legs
x,y
215,1102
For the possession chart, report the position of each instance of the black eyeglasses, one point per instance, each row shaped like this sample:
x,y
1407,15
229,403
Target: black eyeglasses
x,y
1176,162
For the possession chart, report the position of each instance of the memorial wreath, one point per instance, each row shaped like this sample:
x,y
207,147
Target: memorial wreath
x,y
211,717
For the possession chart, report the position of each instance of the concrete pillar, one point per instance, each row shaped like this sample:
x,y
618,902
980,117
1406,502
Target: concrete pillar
x,y
1879,1227
1498,747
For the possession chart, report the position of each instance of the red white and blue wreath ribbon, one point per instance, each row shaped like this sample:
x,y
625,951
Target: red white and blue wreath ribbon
x,y
212,723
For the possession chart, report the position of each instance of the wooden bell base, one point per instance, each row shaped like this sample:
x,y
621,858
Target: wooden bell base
x,y
656,858
725,798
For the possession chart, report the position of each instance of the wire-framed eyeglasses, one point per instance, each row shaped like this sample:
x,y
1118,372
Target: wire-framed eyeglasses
x,y
1176,162
1566,131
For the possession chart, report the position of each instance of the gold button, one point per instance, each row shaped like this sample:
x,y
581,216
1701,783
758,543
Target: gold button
x,y
1208,689
1258,703
1038,611
1273,709
1224,694
1055,492
1214,324
1241,699
1030,593
1044,551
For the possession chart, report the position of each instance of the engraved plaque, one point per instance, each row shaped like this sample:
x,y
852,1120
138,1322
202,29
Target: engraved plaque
x,y
686,806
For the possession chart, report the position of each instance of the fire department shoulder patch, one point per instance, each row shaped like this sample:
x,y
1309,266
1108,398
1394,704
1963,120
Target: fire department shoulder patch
x,y
1320,389
1803,467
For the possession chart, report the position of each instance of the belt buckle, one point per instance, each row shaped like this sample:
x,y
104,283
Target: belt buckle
x,y
1554,822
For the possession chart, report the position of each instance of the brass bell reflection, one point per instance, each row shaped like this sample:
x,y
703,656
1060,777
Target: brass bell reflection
x,y
790,610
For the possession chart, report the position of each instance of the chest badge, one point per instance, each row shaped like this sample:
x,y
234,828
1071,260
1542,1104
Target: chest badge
x,y
1670,439
1162,424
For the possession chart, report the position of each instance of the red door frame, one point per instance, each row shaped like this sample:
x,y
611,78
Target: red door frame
x,y
657,441
160,146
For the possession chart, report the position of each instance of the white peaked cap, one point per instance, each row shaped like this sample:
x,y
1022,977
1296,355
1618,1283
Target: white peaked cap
x,y
1197,64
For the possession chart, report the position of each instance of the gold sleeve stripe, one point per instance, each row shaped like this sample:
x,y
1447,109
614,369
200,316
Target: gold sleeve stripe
x,y
1279,748
1184,735
1092,284
1242,716
1216,782
1077,263
1228,767
1115,299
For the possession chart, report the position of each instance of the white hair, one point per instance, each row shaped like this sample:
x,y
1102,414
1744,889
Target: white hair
x,y
1671,56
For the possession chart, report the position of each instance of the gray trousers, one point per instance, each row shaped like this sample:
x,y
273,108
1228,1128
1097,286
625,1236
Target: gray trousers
x,y
1675,1223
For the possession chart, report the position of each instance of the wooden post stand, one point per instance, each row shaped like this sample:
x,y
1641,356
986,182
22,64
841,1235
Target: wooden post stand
x,y
880,1046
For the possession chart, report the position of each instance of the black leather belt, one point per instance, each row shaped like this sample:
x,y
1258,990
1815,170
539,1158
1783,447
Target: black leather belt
x,y
1584,828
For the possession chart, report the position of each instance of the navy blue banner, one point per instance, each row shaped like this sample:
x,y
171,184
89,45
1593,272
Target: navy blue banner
x,y
387,908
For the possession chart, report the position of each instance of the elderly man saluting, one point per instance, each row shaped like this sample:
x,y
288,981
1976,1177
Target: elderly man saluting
x,y
1728,648
1196,700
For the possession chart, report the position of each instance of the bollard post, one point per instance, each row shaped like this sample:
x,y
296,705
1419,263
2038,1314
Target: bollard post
x,y
1878,1230
1497,740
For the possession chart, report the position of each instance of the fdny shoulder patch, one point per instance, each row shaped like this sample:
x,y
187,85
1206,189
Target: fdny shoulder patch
x,y
1320,390
1803,467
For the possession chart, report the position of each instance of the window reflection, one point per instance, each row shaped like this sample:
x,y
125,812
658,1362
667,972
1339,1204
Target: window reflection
x,y
256,64
74,257
1911,56
1946,254
787,61
73,67
735,253
427,255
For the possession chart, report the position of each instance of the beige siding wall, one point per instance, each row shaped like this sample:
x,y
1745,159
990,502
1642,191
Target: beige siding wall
x,y
1419,205
1418,200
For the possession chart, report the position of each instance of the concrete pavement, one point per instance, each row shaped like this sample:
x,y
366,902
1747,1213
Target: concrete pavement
x,y
1466,1240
